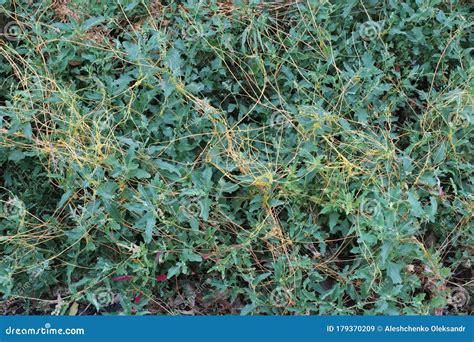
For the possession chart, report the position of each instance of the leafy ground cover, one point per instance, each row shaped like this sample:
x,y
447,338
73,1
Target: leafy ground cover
x,y
226,157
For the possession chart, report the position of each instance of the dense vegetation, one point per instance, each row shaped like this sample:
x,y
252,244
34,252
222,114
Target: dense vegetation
x,y
226,157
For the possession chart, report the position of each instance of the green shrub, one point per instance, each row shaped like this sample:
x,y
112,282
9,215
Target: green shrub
x,y
207,157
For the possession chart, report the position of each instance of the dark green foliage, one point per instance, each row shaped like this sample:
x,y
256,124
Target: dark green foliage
x,y
309,157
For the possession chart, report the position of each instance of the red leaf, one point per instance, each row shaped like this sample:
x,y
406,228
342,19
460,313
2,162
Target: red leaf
x,y
74,63
137,298
123,278
158,257
161,277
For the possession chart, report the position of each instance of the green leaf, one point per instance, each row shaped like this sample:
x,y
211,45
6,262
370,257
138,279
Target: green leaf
x,y
440,153
16,155
175,270
415,207
247,309
75,234
432,209
189,255
227,187
205,206
385,251
150,221
261,277
91,22
393,271
174,61
107,190
167,166
139,173
167,85
64,198
194,223
445,272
